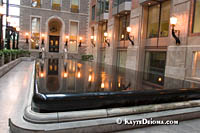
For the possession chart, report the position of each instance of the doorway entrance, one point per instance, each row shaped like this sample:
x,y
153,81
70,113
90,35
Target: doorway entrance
x,y
55,35
54,44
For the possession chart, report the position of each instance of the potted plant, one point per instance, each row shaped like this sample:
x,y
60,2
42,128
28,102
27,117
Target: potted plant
x,y
1,58
13,53
7,56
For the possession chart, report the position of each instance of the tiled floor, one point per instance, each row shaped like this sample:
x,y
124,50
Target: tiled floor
x,y
12,86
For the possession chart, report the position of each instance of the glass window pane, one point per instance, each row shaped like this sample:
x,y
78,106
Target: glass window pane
x,y
153,21
155,67
123,23
35,33
75,6
73,36
93,12
73,30
115,3
106,8
36,3
196,65
56,4
196,27
165,16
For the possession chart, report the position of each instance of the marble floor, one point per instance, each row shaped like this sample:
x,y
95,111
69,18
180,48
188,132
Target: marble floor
x,y
14,86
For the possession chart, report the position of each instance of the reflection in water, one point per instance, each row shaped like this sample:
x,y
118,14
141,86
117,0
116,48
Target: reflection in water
x,y
69,76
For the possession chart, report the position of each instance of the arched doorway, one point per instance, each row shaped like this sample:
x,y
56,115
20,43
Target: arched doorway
x,y
55,36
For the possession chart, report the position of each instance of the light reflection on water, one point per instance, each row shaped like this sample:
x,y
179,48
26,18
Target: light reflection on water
x,y
71,76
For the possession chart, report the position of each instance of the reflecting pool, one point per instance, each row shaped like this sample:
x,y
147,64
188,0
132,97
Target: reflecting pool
x,y
66,85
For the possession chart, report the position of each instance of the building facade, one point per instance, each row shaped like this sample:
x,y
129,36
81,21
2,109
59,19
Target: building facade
x,y
53,25
149,45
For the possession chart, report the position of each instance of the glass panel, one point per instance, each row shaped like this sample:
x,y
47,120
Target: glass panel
x,y
153,21
75,6
56,4
124,22
104,29
35,30
98,7
196,65
196,27
73,36
155,67
93,12
106,7
165,16
36,3
115,3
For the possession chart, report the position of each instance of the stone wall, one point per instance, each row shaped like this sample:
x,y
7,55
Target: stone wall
x,y
45,13
180,58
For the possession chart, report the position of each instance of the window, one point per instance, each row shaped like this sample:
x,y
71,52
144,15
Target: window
x,y
196,64
124,22
103,6
36,3
92,31
158,20
75,6
196,25
115,3
118,2
104,29
56,4
73,36
155,67
35,32
93,12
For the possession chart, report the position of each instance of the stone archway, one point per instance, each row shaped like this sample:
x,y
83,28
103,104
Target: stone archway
x,y
54,27
55,33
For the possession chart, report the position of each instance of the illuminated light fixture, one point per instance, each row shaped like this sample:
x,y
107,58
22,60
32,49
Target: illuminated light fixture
x,y
67,40
119,84
80,41
122,36
128,29
90,78
159,79
102,85
43,36
18,29
79,75
27,35
92,40
173,22
41,74
107,41
65,75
